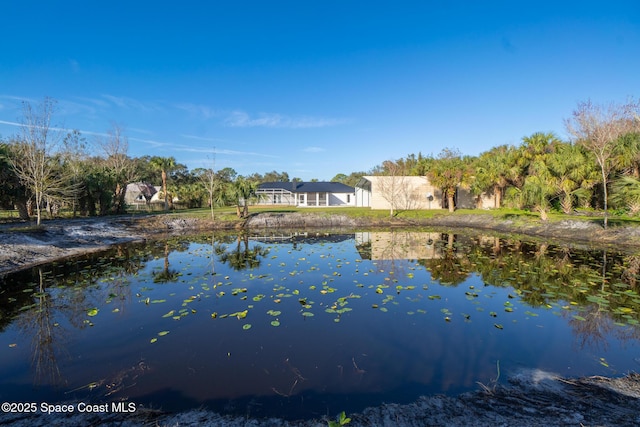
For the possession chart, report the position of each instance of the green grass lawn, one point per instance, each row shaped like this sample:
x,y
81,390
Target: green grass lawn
x,y
229,214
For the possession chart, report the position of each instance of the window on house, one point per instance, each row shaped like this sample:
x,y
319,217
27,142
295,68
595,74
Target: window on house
x,y
348,198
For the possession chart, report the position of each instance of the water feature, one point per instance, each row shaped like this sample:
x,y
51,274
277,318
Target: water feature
x,y
301,326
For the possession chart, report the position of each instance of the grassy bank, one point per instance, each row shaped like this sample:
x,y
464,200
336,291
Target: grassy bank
x,y
517,215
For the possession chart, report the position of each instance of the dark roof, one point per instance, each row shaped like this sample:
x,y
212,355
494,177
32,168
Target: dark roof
x,y
308,187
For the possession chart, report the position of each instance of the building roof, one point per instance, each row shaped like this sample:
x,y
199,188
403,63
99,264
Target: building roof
x,y
308,187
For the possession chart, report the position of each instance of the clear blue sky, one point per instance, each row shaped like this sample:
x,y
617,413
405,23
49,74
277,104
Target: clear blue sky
x,y
315,88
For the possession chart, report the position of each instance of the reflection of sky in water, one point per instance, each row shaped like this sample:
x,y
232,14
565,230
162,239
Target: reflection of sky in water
x,y
307,364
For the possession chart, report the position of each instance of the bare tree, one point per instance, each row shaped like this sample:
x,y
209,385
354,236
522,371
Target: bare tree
x,y
599,129
213,184
73,155
33,162
393,188
115,148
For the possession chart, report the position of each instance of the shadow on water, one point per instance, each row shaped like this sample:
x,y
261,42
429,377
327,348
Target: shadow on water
x,y
309,404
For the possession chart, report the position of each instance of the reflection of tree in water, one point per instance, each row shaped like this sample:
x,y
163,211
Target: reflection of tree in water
x,y
393,253
168,274
632,271
594,329
46,336
61,295
595,284
243,256
451,266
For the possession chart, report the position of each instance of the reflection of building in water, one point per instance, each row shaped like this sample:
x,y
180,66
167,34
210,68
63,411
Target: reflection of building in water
x,y
300,237
400,244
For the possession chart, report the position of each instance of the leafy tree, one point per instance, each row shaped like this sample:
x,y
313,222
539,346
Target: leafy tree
x,y
275,176
350,180
97,196
190,195
340,178
12,192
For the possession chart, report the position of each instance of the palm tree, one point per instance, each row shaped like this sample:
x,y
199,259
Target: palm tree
x,y
165,165
572,173
449,172
492,172
539,188
242,259
242,191
167,274
538,145
628,154
626,192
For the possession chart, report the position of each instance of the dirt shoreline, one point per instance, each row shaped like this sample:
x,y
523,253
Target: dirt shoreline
x,y
532,398
60,239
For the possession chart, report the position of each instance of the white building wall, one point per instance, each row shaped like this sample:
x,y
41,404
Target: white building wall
x,y
342,199
411,192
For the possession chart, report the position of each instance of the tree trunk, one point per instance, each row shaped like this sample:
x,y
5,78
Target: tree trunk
x,y
543,213
497,194
38,214
164,189
23,213
567,203
450,200
604,188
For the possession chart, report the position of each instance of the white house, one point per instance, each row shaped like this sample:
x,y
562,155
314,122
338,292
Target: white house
x,y
306,194
140,193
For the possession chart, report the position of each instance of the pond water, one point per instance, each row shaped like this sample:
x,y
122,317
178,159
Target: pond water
x,y
302,326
